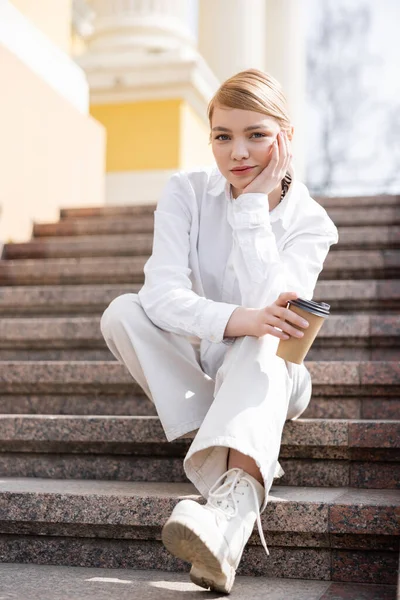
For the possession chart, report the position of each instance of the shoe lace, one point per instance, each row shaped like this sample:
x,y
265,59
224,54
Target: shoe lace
x,y
222,497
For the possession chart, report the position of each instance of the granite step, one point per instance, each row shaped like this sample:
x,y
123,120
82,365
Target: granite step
x,y
360,390
342,264
51,582
136,403
354,216
135,210
345,296
139,244
365,201
330,534
342,337
314,452
336,378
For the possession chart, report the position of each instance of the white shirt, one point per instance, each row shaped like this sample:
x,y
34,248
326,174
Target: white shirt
x,y
212,253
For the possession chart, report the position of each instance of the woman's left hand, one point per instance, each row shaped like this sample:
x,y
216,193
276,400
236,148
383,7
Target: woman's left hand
x,y
275,171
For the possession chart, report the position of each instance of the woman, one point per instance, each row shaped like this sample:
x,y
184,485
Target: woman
x,y
232,245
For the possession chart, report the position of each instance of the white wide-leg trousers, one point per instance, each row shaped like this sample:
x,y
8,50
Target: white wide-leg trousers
x,y
244,408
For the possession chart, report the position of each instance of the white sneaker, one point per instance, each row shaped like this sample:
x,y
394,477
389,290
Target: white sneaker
x,y
213,536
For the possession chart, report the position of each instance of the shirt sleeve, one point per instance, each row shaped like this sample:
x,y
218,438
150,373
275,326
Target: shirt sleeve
x,y
167,296
262,270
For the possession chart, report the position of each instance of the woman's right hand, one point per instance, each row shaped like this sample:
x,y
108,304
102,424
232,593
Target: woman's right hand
x,y
276,315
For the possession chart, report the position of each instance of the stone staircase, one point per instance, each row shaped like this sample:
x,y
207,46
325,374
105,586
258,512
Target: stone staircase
x,y
86,475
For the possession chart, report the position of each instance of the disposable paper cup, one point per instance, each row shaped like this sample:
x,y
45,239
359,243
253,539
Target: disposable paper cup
x,y
295,349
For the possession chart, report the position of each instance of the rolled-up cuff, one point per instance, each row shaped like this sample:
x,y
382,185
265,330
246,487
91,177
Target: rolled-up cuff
x,y
215,320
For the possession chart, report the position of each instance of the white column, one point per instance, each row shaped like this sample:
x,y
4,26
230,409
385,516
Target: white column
x,y
286,61
232,35
140,26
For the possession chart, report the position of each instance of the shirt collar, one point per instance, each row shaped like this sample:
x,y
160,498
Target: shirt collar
x,y
283,211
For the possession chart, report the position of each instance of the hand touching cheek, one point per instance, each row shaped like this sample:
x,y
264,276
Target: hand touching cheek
x,y
280,156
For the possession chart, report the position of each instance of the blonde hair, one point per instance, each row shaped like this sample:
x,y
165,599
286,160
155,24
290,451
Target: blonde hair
x,y
252,90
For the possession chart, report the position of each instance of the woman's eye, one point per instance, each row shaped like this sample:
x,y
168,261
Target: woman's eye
x,y
223,135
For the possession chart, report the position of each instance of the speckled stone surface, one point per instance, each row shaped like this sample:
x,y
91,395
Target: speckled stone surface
x,y
341,264
96,514
356,541
131,244
383,354
365,567
360,511
295,509
374,475
350,295
388,289
134,210
327,350
60,299
354,326
329,378
298,472
54,332
88,328
136,433
86,270
303,563
368,237
347,201
77,377
383,434
357,264
54,354
101,467
327,201
312,472
85,353
77,404
342,337
368,295
380,408
126,403
376,373
327,373
384,325
316,432
332,407
49,582
375,215
353,290
359,591
96,225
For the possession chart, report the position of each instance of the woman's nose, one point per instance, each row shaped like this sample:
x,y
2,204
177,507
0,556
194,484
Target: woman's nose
x,y
239,151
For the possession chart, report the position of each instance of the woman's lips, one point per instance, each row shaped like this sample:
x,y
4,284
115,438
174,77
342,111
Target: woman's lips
x,y
242,171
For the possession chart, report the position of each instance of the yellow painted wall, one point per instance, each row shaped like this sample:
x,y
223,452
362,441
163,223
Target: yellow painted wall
x,y
51,154
152,135
141,135
52,17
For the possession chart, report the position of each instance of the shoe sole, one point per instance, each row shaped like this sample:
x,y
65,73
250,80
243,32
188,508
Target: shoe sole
x,y
183,541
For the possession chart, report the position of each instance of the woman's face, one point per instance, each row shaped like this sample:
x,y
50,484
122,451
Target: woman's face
x,y
242,137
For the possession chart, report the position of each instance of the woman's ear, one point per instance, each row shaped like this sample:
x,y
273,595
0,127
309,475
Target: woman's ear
x,y
290,133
